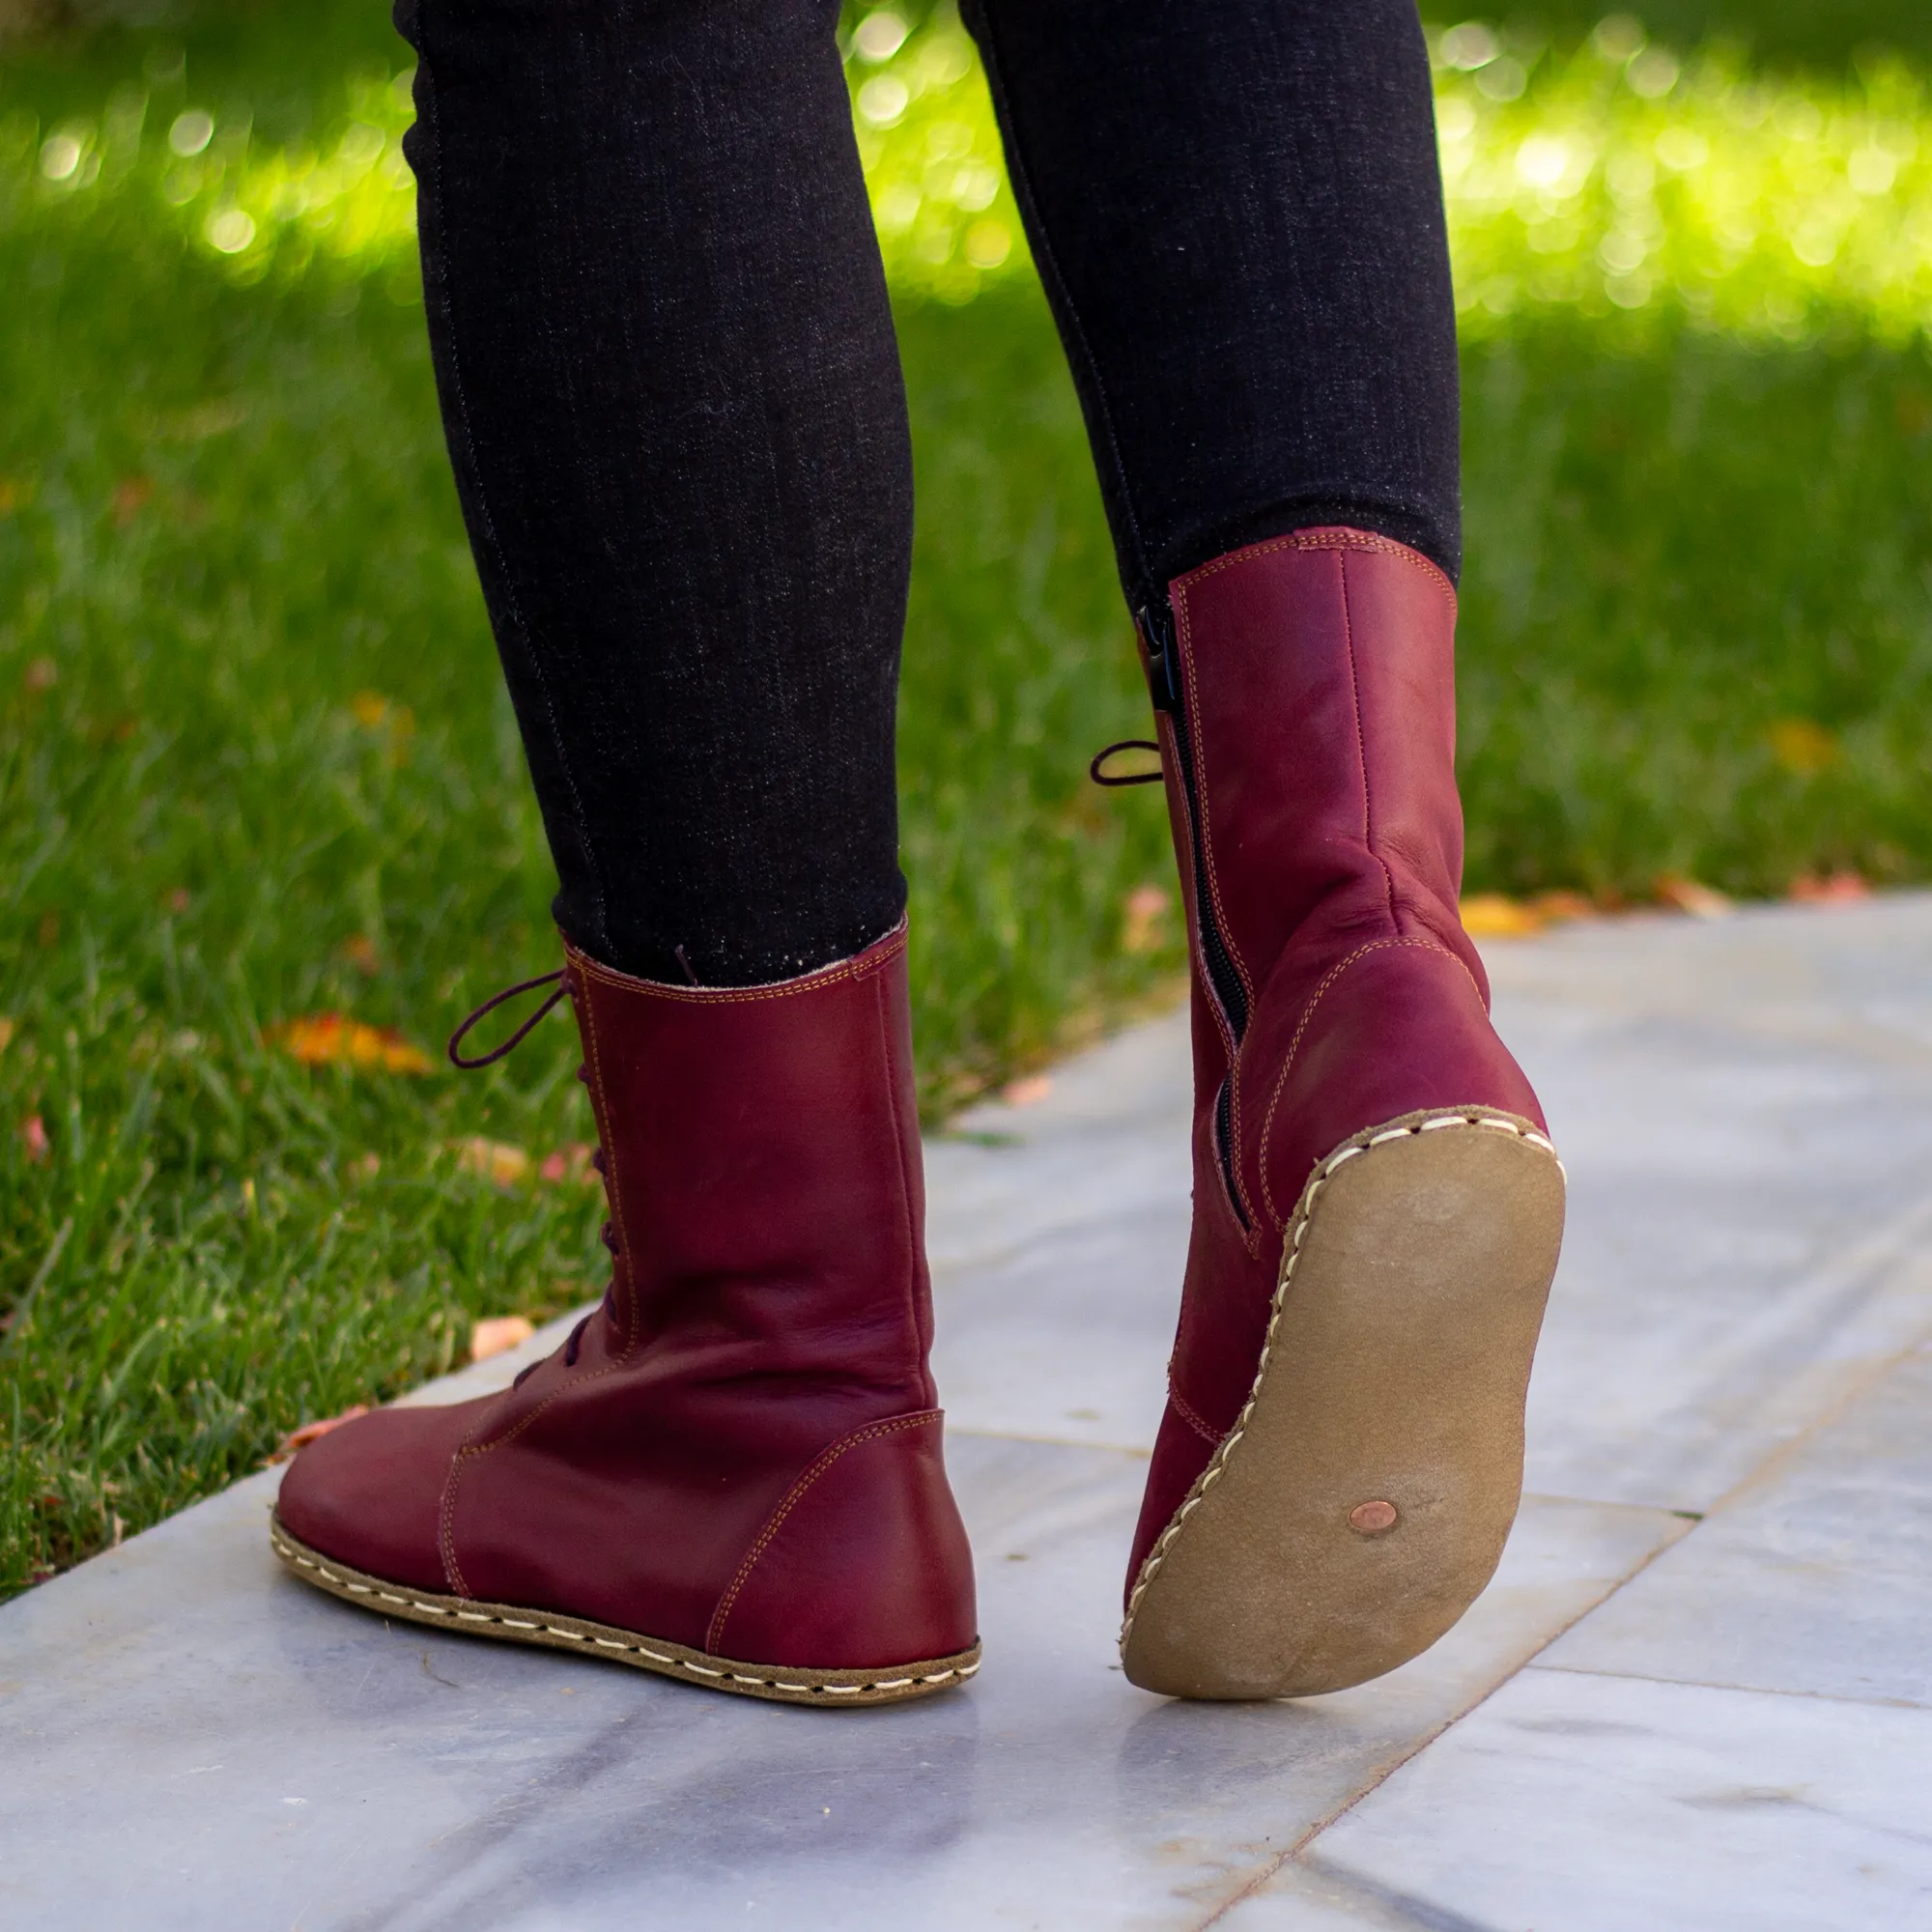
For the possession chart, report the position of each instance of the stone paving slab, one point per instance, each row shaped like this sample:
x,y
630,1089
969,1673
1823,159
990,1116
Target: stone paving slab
x,y
1607,1805
1815,1577
1744,1107
203,1742
1725,1732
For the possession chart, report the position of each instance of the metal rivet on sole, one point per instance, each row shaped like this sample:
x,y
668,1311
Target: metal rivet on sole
x,y
1371,1518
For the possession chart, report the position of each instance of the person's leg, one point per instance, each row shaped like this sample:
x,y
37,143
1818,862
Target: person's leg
x,y
1238,213
673,402
1239,217
674,406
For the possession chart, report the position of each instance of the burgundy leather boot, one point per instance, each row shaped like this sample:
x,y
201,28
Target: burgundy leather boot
x,y
1377,1207
731,1474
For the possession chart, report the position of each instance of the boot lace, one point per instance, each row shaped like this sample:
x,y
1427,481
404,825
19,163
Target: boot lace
x,y
564,982
1112,781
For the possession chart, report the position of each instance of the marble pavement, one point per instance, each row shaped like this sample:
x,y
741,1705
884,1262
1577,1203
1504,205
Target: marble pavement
x,y
1697,1695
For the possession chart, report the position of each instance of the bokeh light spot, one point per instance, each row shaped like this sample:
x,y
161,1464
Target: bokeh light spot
x,y
879,36
1468,46
884,99
231,230
988,243
192,132
60,156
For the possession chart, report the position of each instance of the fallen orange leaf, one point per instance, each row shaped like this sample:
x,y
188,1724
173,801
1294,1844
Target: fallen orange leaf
x,y
376,713
313,1432
568,1164
130,494
496,1161
1689,895
33,1130
496,1334
1801,745
1828,889
1497,916
1145,912
1554,908
332,1040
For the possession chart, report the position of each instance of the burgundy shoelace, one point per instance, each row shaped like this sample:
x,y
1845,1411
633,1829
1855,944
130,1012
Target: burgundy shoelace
x,y
562,978
564,982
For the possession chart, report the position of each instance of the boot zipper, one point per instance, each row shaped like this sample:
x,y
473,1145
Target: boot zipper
x,y
1156,621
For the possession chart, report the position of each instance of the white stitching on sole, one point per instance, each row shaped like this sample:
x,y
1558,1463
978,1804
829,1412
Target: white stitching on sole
x,y
288,1553
1290,1248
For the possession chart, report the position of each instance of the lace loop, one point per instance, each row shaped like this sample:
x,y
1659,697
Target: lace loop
x,y
1101,778
561,979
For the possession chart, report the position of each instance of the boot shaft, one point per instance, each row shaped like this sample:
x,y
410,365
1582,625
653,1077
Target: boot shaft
x,y
1312,681
760,1153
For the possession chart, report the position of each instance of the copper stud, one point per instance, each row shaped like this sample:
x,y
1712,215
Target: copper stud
x,y
1371,1518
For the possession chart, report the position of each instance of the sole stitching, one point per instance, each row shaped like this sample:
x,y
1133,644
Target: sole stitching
x,y
1292,1250
292,1553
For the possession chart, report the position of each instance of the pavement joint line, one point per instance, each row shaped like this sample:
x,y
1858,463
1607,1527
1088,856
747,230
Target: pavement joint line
x,y
1293,1852
1714,1683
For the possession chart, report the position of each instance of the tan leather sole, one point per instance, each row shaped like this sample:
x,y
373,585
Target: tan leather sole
x,y
1361,1503
828,1689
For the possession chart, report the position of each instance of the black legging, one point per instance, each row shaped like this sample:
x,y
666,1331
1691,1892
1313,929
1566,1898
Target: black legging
x,y
668,371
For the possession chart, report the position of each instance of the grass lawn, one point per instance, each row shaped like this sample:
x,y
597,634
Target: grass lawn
x,y
256,765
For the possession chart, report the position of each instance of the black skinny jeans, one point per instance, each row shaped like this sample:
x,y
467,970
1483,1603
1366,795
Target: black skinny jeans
x,y
666,368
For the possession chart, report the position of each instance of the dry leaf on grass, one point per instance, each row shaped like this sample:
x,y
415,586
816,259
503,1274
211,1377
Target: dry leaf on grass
x,y
569,1163
333,1040
395,721
313,1432
1689,895
1143,916
499,1162
1801,745
1555,907
494,1334
360,952
34,1132
131,496
1828,889
1497,916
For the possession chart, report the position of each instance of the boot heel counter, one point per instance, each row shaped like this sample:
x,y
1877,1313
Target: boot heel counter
x,y
865,1562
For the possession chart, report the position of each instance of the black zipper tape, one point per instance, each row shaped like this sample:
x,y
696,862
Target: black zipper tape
x,y
1164,682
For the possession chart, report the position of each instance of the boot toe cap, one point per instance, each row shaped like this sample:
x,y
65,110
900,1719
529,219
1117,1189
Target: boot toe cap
x,y
370,1493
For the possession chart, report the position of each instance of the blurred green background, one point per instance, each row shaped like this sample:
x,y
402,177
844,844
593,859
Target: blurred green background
x,y
256,765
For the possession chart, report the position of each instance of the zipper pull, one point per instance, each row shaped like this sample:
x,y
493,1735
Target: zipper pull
x,y
1157,627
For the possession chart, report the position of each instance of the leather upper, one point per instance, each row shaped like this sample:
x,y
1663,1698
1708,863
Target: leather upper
x,y
1316,675
744,1455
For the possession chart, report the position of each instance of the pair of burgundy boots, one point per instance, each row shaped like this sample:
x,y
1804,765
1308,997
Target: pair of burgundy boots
x,y
732,1472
